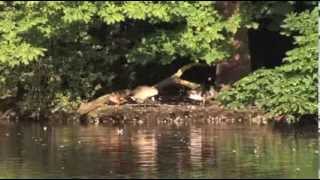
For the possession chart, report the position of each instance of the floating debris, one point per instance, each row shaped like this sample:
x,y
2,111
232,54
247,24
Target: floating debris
x,y
120,132
140,122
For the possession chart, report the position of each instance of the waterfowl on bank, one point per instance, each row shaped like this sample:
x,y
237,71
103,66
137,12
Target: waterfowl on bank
x,y
116,99
119,97
195,95
141,93
201,96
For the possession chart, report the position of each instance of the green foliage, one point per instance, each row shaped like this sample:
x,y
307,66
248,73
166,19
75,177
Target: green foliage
x,y
54,54
57,53
290,89
188,29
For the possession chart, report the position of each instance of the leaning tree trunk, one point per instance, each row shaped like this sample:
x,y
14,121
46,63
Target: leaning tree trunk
x,y
239,65
176,78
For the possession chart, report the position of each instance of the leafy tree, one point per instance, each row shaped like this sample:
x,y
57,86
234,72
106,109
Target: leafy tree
x,y
61,52
55,54
290,89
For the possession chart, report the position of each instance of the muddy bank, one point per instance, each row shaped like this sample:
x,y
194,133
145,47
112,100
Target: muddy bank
x,y
161,113
177,114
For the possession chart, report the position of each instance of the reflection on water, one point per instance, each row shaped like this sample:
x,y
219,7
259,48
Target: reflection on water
x,y
155,151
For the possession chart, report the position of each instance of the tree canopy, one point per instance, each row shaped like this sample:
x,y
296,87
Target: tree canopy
x,y
290,89
53,55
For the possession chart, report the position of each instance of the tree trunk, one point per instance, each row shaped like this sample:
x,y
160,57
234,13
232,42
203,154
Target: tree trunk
x,y
239,65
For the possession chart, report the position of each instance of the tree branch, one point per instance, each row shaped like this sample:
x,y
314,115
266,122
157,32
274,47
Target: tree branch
x,y
175,78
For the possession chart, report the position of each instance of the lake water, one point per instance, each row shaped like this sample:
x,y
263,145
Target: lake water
x,y
34,150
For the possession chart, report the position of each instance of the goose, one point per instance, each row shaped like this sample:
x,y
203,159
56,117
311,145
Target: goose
x,y
141,93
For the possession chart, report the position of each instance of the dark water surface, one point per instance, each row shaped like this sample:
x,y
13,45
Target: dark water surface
x,y
31,150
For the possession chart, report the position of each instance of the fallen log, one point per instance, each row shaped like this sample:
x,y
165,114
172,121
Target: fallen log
x,y
118,97
122,96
